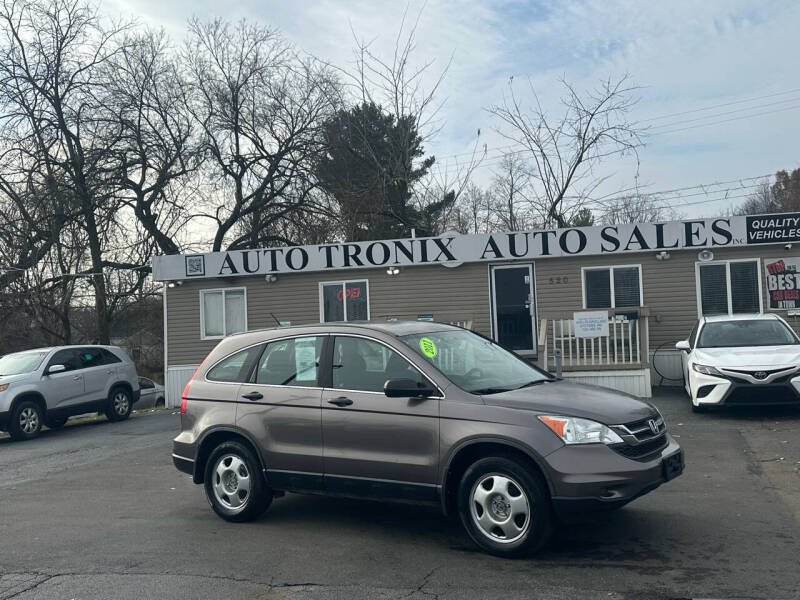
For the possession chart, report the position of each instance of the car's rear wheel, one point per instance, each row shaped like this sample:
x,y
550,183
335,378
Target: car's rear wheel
x,y
55,422
25,422
119,404
504,507
234,484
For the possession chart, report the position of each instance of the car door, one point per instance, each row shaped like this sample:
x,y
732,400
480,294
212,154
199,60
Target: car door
x,y
375,445
64,389
98,373
280,409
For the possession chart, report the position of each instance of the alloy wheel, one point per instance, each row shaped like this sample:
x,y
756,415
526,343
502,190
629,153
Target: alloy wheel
x,y
231,482
500,508
28,420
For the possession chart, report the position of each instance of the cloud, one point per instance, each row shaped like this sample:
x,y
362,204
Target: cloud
x,y
685,55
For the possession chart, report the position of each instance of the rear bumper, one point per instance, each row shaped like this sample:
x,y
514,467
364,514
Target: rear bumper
x,y
593,477
183,464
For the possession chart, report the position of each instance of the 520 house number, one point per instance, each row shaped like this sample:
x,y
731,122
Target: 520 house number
x,y
559,280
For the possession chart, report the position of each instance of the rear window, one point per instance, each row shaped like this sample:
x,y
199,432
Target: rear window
x,y
735,334
235,368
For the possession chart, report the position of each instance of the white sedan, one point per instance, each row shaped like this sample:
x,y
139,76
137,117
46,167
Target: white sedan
x,y
741,360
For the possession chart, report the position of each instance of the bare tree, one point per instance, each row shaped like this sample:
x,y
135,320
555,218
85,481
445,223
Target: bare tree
x,y
637,208
564,150
761,201
259,106
512,194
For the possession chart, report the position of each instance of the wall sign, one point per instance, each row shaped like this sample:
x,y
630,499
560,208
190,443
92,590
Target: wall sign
x,y
783,282
454,249
590,324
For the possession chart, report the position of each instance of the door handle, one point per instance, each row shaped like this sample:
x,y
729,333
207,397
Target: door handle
x,y
77,378
253,396
340,401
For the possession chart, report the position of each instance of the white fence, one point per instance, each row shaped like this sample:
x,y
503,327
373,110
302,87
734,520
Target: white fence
x,y
625,345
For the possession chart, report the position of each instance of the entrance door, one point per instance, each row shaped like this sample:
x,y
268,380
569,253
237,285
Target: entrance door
x,y
513,307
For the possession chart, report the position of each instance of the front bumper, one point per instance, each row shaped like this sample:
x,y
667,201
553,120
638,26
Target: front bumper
x,y
712,390
595,477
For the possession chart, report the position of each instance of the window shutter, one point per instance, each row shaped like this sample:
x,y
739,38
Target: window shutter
x,y
744,287
626,287
597,283
713,290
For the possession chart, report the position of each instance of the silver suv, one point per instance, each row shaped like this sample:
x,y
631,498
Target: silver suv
x,y
46,386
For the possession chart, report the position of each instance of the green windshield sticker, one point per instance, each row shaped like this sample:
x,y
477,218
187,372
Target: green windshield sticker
x,y
428,347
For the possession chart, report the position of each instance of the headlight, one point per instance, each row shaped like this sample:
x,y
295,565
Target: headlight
x,y
573,430
3,387
705,370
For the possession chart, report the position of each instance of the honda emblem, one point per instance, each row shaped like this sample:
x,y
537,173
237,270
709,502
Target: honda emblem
x,y
653,426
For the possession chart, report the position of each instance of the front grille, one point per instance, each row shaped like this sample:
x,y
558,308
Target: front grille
x,y
641,451
640,431
762,394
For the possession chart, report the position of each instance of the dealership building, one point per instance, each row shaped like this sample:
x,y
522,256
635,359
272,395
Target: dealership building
x,y
606,304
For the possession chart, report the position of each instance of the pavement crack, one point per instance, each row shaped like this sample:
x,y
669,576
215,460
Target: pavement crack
x,y
423,583
15,591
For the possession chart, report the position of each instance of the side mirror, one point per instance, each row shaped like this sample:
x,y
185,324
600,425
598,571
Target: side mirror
x,y
683,345
55,369
407,388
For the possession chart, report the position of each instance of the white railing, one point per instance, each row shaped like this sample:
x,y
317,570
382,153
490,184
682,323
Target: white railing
x,y
625,344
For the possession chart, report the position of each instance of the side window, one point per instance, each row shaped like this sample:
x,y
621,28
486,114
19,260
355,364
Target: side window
x,y
91,357
109,358
69,358
365,365
145,383
235,368
291,362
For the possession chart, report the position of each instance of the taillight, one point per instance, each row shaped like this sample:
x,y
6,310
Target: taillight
x,y
185,394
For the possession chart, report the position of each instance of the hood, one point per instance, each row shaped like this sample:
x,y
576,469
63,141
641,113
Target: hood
x,y
773,357
575,400
12,378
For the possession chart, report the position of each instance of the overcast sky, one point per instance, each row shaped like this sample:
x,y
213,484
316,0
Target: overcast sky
x,y
724,60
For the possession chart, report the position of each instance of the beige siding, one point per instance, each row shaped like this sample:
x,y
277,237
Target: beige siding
x,y
452,294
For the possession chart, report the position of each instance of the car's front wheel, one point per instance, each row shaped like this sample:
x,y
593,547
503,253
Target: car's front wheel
x,y
119,404
504,507
25,422
234,484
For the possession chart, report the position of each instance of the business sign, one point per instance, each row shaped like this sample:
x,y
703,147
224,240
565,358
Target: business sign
x,y
783,282
590,324
454,249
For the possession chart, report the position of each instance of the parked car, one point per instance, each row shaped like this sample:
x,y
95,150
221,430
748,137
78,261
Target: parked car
x,y
151,394
46,386
741,360
414,412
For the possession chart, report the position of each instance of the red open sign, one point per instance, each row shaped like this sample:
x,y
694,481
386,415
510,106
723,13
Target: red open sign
x,y
351,292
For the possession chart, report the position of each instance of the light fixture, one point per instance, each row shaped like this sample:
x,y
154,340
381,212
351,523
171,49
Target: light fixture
x,y
663,255
271,278
705,255
393,270
173,284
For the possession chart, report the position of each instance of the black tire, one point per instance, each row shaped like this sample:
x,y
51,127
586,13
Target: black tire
x,y
520,481
699,409
224,497
55,422
120,404
25,421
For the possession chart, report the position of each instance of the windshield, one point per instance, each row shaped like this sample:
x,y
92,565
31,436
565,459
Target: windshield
x,y
21,362
474,363
732,334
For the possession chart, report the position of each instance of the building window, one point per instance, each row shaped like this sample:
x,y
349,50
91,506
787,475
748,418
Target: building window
x,y
612,287
728,287
222,312
343,301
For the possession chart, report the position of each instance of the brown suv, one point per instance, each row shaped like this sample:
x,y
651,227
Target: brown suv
x,y
414,412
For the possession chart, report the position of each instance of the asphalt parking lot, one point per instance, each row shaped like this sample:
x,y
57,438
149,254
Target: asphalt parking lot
x,y
97,510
